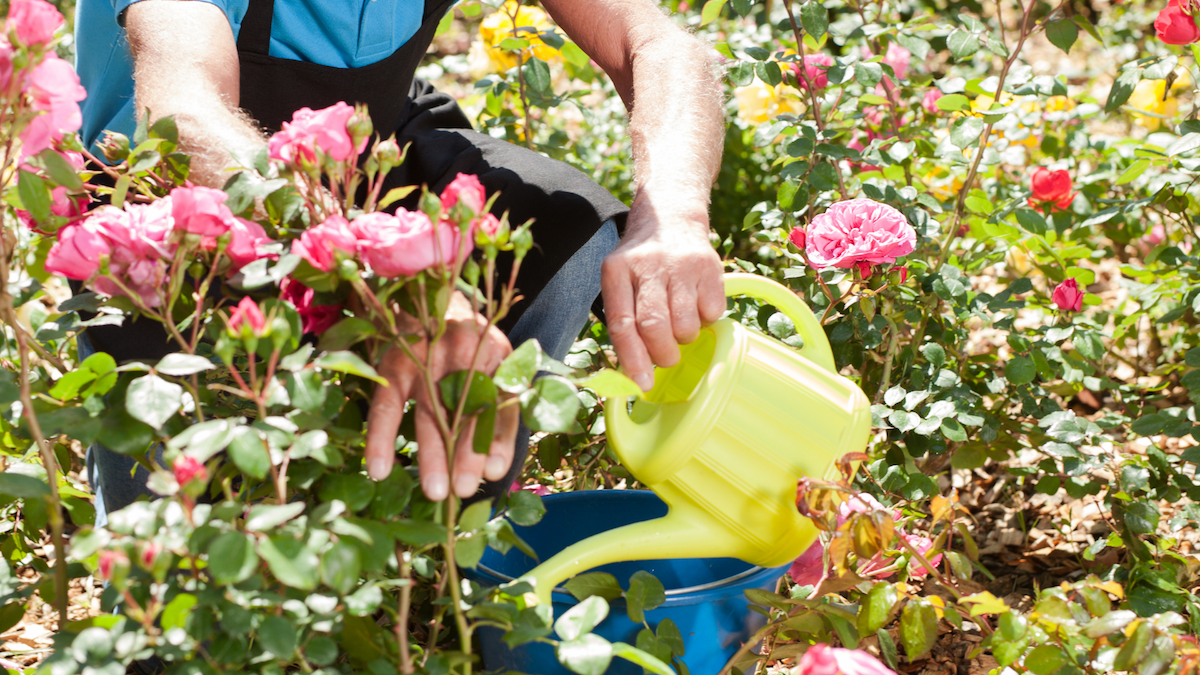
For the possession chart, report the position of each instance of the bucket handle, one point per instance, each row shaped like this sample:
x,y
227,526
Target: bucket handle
x,y
816,345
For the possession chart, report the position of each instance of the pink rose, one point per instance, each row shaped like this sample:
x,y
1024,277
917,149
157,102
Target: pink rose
x,y
311,130
859,230
149,554
489,226
821,659
55,91
815,67
6,63
77,253
798,237
536,488
898,58
317,245
247,315
465,188
201,210
1156,235
1067,296
809,568
929,103
34,21
188,469
404,244
1052,188
315,319
246,241
109,563
923,545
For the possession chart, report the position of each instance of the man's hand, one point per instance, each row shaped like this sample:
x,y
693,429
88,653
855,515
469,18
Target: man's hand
x,y
660,285
454,352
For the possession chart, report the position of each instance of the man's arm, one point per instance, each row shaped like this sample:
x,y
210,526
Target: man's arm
x,y
664,280
186,65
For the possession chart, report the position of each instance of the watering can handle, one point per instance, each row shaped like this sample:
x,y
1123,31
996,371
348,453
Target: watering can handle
x,y
816,345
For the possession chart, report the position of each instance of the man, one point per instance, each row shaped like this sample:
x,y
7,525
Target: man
x,y
227,69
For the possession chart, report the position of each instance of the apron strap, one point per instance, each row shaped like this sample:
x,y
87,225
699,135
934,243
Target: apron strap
x,y
255,34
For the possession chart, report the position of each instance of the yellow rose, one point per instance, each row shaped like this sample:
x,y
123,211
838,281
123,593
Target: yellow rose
x,y
759,102
500,25
1152,104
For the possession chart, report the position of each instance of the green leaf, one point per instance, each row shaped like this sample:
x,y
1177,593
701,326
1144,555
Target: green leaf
x,y
814,18
590,654
179,364
58,169
1062,34
1122,88
394,195
417,532
962,44
68,385
475,516
669,633
1046,659
645,593
176,612
345,333
481,394
349,363
601,584
550,405
638,657
290,562
153,400
876,609
20,486
248,450
277,636
918,628
353,489
518,369
231,558
1020,370
34,192
340,567
307,390
965,131
1142,517
1136,169
712,9
537,75
264,517
581,618
525,508
786,195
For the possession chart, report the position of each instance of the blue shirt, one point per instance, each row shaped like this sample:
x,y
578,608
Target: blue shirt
x,y
346,34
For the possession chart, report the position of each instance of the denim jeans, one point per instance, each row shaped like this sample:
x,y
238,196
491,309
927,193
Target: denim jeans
x,y
554,318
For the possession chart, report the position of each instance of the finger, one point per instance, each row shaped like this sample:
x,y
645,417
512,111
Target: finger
x,y
504,437
622,325
654,323
685,317
468,464
431,455
711,300
383,423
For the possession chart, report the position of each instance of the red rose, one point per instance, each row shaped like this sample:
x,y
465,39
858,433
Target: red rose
x,y
1067,296
1175,26
1051,186
798,237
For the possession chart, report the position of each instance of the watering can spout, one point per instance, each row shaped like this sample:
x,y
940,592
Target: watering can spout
x,y
672,536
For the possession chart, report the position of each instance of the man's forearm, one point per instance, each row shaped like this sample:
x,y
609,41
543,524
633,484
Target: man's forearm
x,y
186,66
676,123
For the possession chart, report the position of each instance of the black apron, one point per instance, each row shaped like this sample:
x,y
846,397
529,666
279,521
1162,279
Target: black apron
x,y
568,207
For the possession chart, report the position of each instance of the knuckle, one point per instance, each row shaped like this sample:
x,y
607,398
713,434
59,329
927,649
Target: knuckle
x,y
621,325
651,323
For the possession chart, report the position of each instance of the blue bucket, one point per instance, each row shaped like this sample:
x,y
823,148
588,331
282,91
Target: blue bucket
x,y
705,596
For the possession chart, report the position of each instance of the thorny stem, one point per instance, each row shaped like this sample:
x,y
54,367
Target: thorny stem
x,y
812,94
39,439
402,557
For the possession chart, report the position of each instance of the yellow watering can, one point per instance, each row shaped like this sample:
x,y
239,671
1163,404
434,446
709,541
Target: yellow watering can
x,y
723,438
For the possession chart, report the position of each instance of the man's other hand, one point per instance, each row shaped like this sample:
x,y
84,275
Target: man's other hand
x,y
661,285
454,352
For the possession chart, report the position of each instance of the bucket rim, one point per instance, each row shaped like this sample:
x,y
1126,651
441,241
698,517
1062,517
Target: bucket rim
x,y
673,593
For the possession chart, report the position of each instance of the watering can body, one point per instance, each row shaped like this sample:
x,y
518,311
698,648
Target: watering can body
x,y
723,438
